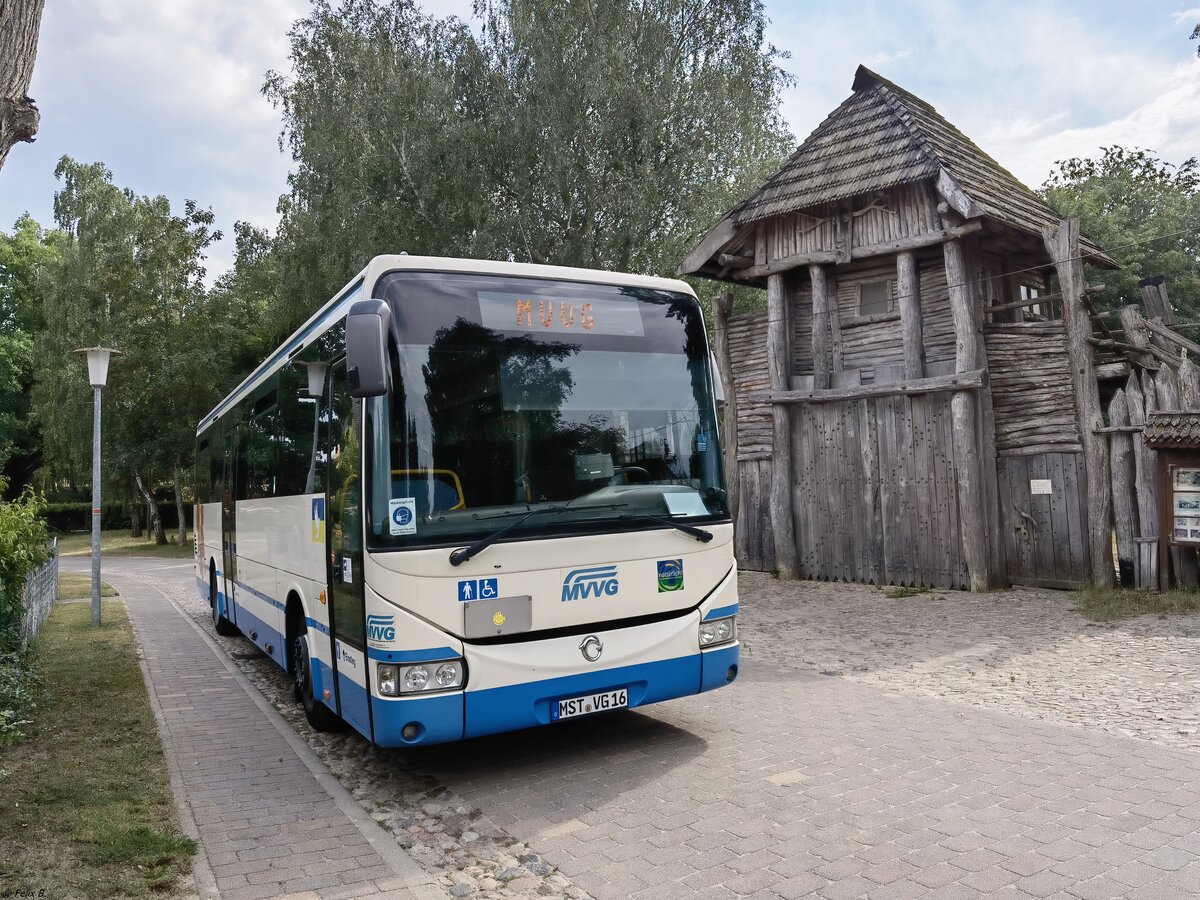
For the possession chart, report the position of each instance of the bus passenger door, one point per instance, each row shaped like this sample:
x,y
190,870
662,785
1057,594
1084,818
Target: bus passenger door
x,y
228,524
345,533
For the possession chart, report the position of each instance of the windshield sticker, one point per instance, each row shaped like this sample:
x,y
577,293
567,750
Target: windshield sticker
x,y
685,503
478,589
402,515
670,575
318,520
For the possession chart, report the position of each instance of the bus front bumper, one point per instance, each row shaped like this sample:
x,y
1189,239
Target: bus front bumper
x,y
527,698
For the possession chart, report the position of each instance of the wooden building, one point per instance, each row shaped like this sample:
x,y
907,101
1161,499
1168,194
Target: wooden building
x,y
904,410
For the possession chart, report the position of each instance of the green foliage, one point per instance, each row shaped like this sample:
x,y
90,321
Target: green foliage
x,y
608,135
1144,212
23,547
25,255
16,697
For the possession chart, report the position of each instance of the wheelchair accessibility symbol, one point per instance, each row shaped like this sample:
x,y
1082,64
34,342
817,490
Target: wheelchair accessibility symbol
x,y
478,589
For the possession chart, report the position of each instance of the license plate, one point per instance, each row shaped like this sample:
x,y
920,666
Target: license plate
x,y
592,703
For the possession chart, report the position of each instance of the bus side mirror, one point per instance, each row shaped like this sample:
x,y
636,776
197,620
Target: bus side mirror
x,y
367,327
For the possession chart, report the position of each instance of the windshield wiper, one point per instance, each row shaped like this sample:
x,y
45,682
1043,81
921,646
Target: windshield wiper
x,y
462,554
698,533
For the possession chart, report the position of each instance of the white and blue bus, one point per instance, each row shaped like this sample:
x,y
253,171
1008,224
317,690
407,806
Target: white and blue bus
x,y
468,497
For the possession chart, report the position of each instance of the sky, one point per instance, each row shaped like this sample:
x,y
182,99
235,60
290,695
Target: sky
x,y
167,93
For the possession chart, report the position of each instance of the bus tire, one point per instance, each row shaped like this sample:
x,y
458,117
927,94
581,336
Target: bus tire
x,y
221,625
319,716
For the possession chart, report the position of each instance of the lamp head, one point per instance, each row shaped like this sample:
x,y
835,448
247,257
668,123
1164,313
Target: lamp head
x,y
97,360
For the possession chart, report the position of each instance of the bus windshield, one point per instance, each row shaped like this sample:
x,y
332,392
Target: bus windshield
x,y
513,394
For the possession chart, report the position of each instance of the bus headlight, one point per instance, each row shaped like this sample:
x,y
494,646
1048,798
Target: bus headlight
x,y
423,678
717,631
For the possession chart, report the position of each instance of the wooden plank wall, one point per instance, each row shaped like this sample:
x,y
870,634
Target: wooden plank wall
x,y
1032,395
875,492
1045,534
748,352
904,211
755,546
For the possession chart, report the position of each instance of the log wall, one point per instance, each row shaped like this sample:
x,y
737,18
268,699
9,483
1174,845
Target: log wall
x,y
1031,388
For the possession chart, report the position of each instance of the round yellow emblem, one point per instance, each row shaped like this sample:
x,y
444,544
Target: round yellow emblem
x,y
498,619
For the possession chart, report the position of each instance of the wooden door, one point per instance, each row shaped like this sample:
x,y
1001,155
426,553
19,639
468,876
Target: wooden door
x,y
1043,505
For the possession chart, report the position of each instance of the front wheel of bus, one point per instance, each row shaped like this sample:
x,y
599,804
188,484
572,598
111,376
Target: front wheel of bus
x,y
319,716
222,625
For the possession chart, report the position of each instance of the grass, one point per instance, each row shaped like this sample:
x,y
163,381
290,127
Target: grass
x,y
119,543
1107,604
85,802
898,593
78,586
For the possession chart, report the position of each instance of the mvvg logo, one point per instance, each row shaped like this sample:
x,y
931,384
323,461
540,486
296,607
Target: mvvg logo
x,y
381,628
594,582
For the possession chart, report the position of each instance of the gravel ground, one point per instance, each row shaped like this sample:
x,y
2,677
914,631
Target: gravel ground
x,y
1020,651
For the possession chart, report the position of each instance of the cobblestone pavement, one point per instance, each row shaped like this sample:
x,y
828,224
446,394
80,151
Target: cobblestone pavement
x,y
1019,651
792,783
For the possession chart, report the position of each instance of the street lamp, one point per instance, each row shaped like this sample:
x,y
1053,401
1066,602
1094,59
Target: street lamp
x,y
97,361
316,387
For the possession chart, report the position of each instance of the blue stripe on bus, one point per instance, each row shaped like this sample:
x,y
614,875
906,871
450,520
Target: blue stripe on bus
x,y
438,718
721,612
716,668
412,656
265,635
355,705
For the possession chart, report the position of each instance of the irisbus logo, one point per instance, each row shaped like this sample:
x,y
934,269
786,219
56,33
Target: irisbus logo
x,y
594,582
381,628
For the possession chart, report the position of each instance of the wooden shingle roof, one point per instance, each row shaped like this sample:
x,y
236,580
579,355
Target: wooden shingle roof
x,y
882,136
1165,430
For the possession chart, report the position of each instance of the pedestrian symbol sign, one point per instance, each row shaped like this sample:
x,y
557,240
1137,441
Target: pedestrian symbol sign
x,y
478,589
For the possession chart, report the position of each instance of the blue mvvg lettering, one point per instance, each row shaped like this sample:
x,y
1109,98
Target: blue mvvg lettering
x,y
597,581
381,628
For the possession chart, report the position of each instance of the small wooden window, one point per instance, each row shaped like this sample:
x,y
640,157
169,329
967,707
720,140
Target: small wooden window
x,y
875,298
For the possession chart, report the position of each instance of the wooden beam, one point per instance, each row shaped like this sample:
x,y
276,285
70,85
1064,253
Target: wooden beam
x,y
1171,335
908,285
718,236
722,309
822,335
1112,370
949,188
964,413
959,381
780,367
1144,462
733,261
1062,243
824,257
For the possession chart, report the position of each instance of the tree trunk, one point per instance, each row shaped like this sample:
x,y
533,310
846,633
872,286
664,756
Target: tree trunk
x,y
179,506
156,525
135,517
20,21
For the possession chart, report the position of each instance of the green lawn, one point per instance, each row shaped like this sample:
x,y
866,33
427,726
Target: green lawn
x,y
1106,604
85,802
119,543
78,586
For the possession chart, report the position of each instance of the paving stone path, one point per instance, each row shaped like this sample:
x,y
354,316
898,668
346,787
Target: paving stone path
x,y
861,782
268,825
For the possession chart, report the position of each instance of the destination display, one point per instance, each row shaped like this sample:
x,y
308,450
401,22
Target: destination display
x,y
520,312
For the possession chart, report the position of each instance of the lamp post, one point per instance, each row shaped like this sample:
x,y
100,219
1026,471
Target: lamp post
x,y
97,360
316,387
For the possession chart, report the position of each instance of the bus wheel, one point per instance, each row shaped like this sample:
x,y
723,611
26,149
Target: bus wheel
x,y
223,626
319,716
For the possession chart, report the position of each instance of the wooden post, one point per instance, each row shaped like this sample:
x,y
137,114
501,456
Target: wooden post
x,y
1062,243
1137,335
822,334
908,286
1123,487
1189,385
1144,462
968,355
780,366
1154,296
1183,559
722,308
